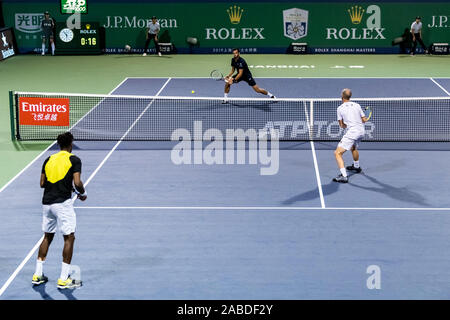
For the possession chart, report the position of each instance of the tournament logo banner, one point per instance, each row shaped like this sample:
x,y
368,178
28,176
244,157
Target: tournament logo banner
x,y
295,23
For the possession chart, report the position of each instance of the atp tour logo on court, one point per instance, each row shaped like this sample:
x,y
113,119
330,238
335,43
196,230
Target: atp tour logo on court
x,y
44,111
354,16
295,23
190,150
235,14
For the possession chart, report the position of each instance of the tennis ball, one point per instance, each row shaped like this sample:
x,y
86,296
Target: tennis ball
x,y
193,91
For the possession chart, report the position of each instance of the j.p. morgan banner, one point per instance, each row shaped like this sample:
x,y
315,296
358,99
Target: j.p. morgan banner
x,y
255,27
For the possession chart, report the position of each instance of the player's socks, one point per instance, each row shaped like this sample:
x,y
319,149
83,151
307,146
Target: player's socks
x,y
53,49
39,267
65,269
43,49
270,95
343,172
356,164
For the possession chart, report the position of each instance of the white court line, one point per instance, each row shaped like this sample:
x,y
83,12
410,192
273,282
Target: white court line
x,y
36,246
53,143
443,89
310,121
293,77
259,208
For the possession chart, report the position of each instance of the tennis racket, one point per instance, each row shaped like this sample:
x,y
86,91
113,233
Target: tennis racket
x,y
368,112
217,75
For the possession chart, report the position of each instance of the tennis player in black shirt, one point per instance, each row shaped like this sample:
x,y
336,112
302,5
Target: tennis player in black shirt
x,y
238,64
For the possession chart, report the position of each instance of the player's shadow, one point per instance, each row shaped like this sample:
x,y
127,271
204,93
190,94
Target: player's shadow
x,y
41,290
312,194
235,105
398,193
68,293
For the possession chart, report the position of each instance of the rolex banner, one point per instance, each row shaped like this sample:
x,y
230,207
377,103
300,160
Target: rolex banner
x,y
268,27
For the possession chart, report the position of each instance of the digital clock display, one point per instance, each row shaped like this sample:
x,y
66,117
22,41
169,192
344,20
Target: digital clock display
x,y
88,41
85,40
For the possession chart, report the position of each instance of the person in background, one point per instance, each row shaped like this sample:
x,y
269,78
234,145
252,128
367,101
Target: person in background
x,y
152,33
47,26
416,31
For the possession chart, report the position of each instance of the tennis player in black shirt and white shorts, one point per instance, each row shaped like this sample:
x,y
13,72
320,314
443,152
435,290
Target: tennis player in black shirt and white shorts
x,y
238,64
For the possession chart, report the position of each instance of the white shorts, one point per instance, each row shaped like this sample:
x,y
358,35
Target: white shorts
x,y
350,140
61,215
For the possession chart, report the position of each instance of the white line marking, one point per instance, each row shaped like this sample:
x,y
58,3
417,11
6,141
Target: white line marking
x,y
53,143
293,77
443,89
337,100
36,246
310,121
121,139
21,265
259,208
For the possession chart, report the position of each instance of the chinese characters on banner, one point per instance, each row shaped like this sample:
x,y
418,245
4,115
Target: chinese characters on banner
x,y
44,111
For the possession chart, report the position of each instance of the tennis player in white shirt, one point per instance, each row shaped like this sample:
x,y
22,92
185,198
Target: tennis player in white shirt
x,y
350,117
416,31
153,29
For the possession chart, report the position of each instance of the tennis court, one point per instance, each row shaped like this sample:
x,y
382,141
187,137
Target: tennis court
x,y
152,229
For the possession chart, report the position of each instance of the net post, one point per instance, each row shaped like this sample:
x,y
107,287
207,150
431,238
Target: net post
x,y
11,115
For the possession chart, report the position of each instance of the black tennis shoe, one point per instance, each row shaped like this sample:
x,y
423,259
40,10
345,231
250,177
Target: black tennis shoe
x,y
341,179
352,168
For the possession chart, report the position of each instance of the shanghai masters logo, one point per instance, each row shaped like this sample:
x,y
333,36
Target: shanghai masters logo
x,y
295,23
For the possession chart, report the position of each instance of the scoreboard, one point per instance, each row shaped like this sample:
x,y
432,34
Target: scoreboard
x,y
85,40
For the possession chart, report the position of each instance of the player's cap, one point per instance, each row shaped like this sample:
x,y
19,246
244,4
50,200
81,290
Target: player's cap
x,y
153,17
46,13
418,18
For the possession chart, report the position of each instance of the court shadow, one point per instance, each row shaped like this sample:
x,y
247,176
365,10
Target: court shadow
x,y
68,293
327,189
41,290
30,145
233,105
398,193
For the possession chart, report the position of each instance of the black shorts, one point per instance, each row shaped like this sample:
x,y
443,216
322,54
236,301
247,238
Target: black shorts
x,y
46,36
249,79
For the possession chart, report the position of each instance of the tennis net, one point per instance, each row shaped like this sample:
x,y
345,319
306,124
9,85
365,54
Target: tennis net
x,y
42,116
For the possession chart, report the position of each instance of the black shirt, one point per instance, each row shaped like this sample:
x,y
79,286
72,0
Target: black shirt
x,y
59,169
241,64
47,26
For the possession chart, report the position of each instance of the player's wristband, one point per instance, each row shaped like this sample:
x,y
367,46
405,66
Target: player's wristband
x,y
79,194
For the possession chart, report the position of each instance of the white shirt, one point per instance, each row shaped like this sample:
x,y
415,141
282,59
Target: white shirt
x,y
153,28
416,27
351,113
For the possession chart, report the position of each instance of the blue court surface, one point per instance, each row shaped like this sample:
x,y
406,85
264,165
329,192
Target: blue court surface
x,y
151,229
